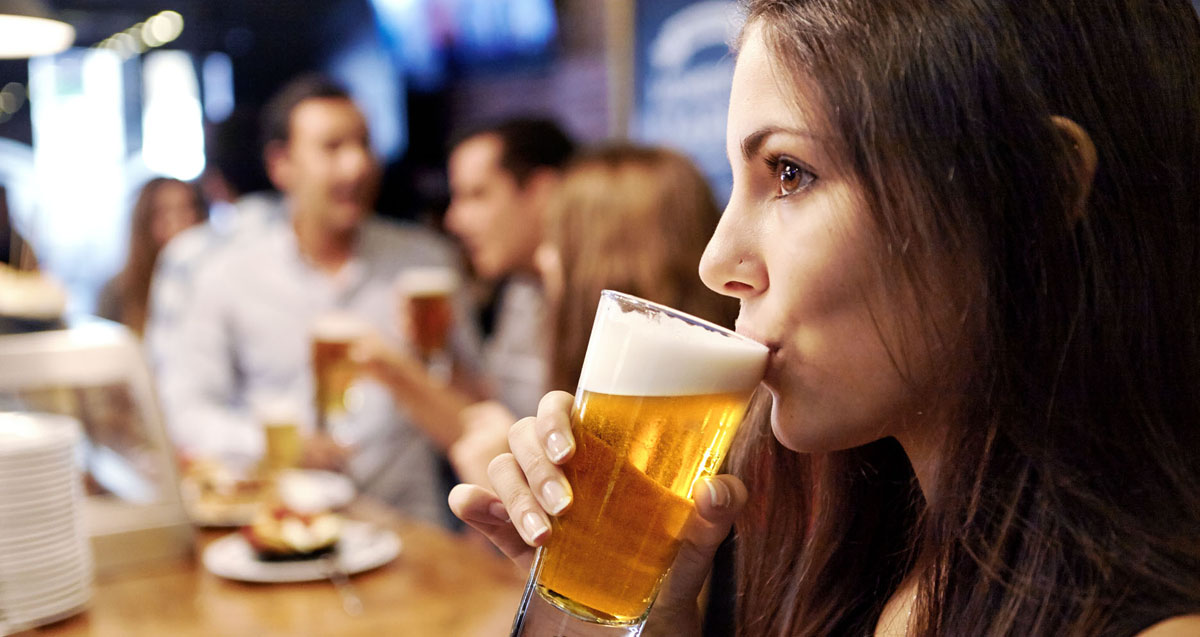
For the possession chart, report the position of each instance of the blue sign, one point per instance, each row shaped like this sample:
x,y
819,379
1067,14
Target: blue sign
x,y
684,68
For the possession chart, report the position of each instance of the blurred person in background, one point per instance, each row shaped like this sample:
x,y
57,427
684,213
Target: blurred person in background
x,y
628,218
164,208
245,344
502,177
242,202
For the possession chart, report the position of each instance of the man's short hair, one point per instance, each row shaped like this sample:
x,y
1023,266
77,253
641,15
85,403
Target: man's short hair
x,y
526,144
277,114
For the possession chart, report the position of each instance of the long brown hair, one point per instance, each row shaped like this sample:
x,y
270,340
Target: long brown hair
x,y
134,279
1068,495
635,220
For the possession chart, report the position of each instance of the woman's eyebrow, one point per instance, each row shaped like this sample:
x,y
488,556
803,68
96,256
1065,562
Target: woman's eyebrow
x,y
754,141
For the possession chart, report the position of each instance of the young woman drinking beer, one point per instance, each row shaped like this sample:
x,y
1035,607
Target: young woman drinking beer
x,y
970,233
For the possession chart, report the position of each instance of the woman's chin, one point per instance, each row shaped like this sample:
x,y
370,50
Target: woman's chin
x,y
788,427
808,432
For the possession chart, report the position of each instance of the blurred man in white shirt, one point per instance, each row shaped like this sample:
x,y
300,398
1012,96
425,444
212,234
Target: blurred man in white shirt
x,y
246,344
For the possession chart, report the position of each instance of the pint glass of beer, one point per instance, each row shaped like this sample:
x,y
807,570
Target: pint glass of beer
x,y
428,294
333,371
659,399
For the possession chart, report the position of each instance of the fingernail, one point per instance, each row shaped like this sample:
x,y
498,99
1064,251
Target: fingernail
x,y
497,510
718,493
535,528
558,446
555,496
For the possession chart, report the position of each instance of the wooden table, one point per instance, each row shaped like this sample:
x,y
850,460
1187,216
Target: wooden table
x,y
442,584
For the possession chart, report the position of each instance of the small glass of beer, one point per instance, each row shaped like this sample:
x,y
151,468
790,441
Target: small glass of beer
x,y
427,297
281,435
659,398
333,371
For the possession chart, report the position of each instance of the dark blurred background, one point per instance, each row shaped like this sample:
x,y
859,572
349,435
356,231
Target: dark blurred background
x,y
148,84
420,67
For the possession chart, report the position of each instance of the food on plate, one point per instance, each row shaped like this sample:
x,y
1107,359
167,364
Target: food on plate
x,y
279,533
215,494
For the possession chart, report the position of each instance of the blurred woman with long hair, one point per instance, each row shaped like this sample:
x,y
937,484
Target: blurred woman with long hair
x,y
164,207
629,218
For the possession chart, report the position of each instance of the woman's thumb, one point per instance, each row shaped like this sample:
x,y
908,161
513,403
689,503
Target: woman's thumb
x,y
719,500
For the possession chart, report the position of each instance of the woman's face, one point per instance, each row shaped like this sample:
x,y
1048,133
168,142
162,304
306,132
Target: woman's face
x,y
175,210
795,247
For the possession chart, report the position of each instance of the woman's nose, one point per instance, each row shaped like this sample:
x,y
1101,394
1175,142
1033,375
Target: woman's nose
x,y
731,263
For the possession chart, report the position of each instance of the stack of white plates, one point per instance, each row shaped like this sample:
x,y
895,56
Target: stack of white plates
x,y
45,559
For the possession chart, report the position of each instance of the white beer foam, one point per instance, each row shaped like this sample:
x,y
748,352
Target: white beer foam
x,y
427,281
339,327
636,354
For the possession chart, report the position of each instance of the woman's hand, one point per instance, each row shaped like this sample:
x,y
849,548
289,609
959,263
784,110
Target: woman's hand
x,y
512,517
529,487
485,435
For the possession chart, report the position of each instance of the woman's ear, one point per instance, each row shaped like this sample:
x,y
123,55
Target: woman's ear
x,y
1083,161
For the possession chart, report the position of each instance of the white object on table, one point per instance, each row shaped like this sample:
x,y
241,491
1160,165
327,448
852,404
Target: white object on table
x,y
362,547
46,572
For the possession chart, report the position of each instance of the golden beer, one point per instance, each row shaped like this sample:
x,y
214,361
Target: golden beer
x,y
660,396
333,371
635,463
283,446
431,317
428,294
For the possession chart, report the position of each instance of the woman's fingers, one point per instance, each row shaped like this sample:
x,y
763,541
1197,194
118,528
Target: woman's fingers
x,y
543,477
719,500
484,511
527,481
523,509
553,426
718,504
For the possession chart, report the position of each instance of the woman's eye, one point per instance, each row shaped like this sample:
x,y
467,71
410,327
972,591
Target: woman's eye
x,y
792,177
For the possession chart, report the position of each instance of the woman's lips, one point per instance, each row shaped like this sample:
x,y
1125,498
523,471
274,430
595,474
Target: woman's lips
x,y
774,371
750,334
773,353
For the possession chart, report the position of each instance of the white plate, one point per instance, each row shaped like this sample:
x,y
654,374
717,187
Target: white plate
x,y
361,547
37,470
52,610
34,459
303,490
31,434
311,491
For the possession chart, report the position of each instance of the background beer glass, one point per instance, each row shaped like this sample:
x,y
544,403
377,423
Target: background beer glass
x,y
659,398
283,446
333,371
427,298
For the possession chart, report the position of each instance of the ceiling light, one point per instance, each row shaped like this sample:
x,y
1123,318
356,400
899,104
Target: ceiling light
x,y
166,26
27,30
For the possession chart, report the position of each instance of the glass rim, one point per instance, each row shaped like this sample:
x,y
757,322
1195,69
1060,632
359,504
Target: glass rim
x,y
678,314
